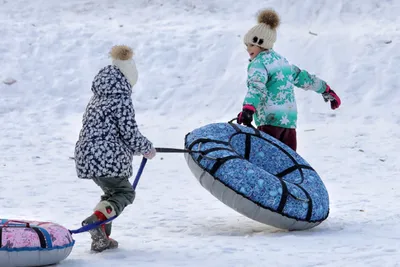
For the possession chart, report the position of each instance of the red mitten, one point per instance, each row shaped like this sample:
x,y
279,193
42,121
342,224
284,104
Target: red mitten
x,y
246,116
330,95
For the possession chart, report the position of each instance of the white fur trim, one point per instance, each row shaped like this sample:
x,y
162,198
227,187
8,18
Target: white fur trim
x,y
102,207
128,68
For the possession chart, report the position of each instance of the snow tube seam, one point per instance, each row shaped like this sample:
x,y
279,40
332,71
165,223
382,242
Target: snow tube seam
x,y
37,248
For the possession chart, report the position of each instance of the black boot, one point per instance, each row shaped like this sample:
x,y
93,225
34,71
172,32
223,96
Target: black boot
x,y
107,229
100,241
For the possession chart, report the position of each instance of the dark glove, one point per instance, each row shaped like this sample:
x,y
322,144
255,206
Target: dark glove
x,y
330,95
246,116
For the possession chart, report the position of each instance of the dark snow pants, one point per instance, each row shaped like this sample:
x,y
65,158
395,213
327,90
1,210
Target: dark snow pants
x,y
117,190
285,135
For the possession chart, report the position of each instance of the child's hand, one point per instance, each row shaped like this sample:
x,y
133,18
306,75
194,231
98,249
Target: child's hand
x,y
151,154
246,116
330,95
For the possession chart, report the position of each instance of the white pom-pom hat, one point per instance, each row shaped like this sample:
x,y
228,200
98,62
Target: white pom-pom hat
x,y
264,33
122,58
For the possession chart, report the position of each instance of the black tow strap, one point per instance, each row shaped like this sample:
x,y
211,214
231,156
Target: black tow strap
x,y
220,162
247,147
41,237
206,140
292,169
205,152
286,193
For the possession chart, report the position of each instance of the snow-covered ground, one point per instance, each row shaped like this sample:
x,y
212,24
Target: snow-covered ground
x,y
192,69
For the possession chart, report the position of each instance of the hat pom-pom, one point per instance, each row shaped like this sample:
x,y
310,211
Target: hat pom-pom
x,y
269,17
121,52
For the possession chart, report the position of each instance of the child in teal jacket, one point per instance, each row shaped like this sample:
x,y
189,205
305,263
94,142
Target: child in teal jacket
x,y
271,80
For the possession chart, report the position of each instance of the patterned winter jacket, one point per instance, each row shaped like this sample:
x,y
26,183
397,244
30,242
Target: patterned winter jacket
x,y
109,136
270,81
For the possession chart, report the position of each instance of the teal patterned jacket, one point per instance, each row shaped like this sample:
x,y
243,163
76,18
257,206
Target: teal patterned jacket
x,y
270,81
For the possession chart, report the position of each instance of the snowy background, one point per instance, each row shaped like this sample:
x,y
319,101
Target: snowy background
x,y
192,68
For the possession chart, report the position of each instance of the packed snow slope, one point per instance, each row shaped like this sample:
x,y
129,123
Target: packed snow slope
x,y
192,71
193,51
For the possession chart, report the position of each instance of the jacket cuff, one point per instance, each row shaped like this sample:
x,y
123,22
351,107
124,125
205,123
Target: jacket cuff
x,y
249,107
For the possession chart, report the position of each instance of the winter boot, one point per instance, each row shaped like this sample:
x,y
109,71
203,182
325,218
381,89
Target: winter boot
x,y
106,208
103,211
107,230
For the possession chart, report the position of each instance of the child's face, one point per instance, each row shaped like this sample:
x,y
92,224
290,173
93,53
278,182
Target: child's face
x,y
253,50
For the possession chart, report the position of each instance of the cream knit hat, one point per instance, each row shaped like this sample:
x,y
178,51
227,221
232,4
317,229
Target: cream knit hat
x,y
122,58
264,33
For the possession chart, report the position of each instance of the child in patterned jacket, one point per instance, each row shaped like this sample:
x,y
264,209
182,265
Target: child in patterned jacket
x,y
271,80
108,140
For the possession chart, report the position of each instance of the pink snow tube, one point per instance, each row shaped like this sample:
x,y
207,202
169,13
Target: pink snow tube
x,y
32,243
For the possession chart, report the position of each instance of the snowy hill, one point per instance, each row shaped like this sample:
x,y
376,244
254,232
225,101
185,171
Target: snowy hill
x,y
192,68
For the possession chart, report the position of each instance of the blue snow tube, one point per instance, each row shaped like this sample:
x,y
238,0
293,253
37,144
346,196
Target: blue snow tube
x,y
257,175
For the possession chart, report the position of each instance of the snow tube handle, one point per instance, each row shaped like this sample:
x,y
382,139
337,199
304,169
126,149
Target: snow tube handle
x,y
16,221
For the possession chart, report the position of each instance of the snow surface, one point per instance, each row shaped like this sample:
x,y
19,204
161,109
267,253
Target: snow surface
x,y
192,69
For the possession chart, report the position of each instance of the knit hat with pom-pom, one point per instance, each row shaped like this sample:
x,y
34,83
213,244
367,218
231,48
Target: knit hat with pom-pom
x,y
122,58
264,33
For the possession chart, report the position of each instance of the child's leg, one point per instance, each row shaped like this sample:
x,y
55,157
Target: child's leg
x,y
289,138
118,193
285,135
273,131
105,196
